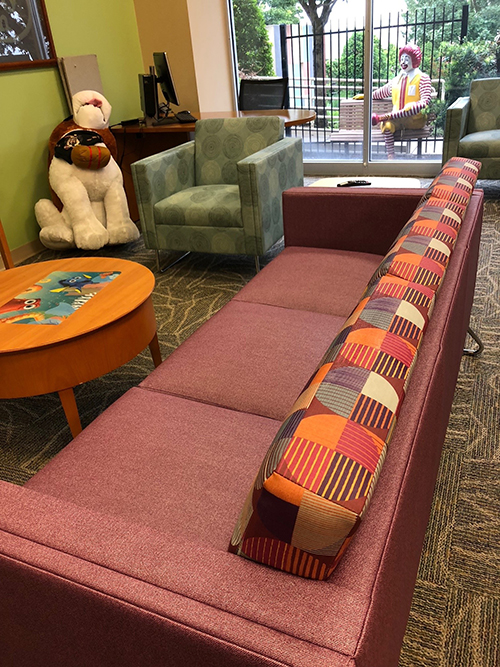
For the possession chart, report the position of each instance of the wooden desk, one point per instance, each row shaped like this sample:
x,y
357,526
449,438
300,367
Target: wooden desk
x,y
135,142
106,332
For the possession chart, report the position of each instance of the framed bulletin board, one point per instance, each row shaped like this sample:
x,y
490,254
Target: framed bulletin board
x,y
25,38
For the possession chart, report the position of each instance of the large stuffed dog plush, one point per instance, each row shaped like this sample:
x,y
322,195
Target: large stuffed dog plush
x,y
86,180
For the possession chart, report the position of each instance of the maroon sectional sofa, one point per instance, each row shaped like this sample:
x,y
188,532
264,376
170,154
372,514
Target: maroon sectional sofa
x,y
116,553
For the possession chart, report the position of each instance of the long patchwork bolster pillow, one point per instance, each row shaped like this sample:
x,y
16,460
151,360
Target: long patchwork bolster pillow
x,y
319,474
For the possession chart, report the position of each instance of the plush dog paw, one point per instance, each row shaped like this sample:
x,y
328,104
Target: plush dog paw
x,y
123,232
91,239
57,237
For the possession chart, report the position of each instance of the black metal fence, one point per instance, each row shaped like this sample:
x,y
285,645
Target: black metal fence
x,y
343,52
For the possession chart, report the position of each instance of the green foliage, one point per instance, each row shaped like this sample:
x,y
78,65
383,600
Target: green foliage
x,y
437,110
350,65
280,12
464,62
484,15
254,49
485,23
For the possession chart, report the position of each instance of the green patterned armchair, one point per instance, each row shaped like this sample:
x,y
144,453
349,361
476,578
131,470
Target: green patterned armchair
x,y
220,193
472,127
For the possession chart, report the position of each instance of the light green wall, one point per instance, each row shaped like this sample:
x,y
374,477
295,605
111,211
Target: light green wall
x,y
32,102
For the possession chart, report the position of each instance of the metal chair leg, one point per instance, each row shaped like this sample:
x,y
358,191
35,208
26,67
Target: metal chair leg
x,y
474,352
171,263
257,264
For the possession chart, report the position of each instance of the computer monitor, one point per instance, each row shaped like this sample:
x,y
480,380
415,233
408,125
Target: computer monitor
x,y
164,78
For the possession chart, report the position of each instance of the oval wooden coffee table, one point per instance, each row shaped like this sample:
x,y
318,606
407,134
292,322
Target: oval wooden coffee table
x,y
107,331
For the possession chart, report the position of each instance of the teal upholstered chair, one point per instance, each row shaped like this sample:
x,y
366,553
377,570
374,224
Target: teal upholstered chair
x,y
473,127
220,193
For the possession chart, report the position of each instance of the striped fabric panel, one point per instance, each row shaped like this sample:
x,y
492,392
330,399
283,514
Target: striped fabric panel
x,y
462,167
398,349
389,287
421,270
284,557
321,525
443,233
398,288
370,412
455,194
345,480
357,444
427,247
405,329
359,355
306,463
458,172
446,212
417,296
388,366
373,359
340,400
375,477
409,330
350,378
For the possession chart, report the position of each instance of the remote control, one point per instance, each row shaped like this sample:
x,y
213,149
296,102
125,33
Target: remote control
x,y
349,184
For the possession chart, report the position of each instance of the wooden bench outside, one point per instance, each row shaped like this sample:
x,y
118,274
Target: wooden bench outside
x,y
351,125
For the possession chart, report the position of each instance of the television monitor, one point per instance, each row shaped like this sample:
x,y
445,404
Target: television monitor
x,y
164,78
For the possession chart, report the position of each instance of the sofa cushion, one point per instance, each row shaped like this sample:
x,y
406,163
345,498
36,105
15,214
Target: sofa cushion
x,y
249,356
318,477
161,461
315,274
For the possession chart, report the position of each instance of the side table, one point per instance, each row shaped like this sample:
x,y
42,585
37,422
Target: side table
x,y
107,331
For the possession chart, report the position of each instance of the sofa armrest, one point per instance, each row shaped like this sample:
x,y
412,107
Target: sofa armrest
x,y
457,116
362,220
157,177
262,178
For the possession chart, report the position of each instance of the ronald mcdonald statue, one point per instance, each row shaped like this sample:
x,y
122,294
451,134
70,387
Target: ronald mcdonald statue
x,y
410,92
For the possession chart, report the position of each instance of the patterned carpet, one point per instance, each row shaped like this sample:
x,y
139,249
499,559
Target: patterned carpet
x,y
455,617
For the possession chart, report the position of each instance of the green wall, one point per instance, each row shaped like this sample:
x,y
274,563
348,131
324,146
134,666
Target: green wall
x,y
32,102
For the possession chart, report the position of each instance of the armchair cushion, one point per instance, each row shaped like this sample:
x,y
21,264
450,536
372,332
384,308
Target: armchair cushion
x,y
479,145
222,142
202,206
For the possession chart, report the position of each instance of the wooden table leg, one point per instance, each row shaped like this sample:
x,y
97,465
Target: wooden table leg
x,y
155,350
67,397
